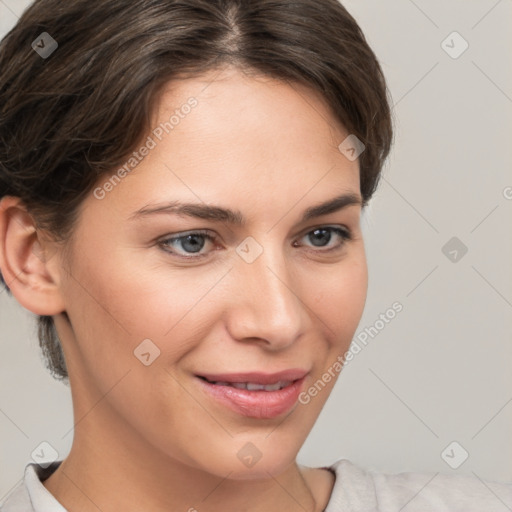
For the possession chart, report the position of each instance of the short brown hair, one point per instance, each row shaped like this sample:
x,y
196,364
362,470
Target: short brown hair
x,y
68,119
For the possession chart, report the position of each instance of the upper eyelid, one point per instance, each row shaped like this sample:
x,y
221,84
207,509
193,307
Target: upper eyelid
x,y
213,235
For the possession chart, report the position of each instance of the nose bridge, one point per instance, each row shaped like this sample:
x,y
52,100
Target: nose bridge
x,y
268,307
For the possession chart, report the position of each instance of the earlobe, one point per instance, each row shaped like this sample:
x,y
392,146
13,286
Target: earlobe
x,y
24,256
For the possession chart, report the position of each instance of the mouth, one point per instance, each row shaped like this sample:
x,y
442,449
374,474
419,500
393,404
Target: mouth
x,y
252,386
255,395
257,378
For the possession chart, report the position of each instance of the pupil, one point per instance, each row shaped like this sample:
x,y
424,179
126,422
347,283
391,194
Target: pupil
x,y
324,237
190,243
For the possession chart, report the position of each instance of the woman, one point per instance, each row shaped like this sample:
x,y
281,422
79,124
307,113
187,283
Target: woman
x,y
182,183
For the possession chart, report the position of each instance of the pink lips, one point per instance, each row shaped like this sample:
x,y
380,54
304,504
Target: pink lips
x,y
255,403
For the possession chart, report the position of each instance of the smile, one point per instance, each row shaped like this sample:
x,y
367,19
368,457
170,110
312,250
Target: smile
x,y
255,395
253,386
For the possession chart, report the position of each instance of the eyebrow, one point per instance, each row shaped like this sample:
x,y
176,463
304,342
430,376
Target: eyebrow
x,y
235,217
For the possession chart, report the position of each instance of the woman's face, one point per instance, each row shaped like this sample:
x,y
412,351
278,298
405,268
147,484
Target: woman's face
x,y
270,294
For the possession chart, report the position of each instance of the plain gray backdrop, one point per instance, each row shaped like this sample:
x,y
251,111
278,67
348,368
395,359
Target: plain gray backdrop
x,y
434,384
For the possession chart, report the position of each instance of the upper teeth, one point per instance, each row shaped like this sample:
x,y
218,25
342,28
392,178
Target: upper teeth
x,y
251,386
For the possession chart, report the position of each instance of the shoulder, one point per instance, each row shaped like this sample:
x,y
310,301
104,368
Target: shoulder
x,y
359,489
18,500
30,495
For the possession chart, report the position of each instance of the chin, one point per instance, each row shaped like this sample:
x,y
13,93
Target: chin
x,y
262,470
253,461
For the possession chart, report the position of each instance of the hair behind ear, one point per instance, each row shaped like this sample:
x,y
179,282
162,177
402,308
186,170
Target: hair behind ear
x,y
51,348
3,283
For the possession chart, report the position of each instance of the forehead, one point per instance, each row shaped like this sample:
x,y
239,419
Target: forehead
x,y
231,98
226,135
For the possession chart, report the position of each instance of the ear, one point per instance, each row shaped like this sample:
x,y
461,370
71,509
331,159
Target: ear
x,y
24,257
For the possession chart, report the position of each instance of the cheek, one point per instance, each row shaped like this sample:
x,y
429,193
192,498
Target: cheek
x,y
112,311
338,306
341,301
115,306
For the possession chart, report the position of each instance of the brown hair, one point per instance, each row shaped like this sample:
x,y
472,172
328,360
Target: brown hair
x,y
68,119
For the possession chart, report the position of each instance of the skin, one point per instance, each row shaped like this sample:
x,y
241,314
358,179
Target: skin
x,y
147,437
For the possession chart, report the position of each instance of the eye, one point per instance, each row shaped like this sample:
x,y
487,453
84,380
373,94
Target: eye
x,y
322,236
188,245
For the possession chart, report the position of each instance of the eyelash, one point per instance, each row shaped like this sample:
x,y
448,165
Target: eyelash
x,y
343,233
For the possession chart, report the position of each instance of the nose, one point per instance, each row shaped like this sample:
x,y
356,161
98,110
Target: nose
x,y
266,306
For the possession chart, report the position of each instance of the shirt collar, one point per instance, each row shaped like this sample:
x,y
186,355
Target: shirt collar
x,y
42,500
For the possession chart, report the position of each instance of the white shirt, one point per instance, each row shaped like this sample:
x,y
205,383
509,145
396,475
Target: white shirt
x,y
355,490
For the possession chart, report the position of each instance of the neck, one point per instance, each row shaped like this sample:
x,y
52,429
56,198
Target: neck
x,y
113,469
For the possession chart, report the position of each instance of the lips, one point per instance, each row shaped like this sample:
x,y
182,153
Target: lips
x,y
255,394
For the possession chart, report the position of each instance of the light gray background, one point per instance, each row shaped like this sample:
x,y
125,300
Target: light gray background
x,y
441,370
